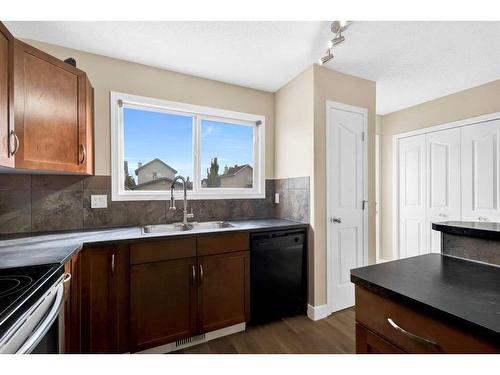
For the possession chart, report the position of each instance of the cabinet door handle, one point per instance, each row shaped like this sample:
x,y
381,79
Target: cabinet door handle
x,y
16,142
84,153
193,274
112,264
412,336
201,274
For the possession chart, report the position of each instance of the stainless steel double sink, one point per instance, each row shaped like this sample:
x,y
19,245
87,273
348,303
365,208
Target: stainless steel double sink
x,y
180,227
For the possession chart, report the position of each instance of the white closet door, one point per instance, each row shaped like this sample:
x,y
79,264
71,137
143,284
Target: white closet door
x,y
480,167
442,182
412,196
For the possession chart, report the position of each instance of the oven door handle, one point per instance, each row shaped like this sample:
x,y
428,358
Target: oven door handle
x,y
43,327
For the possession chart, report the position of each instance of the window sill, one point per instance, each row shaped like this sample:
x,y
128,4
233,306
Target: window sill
x,y
149,196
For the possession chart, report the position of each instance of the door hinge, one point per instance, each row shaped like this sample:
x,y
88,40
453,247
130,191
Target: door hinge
x,y
362,136
363,204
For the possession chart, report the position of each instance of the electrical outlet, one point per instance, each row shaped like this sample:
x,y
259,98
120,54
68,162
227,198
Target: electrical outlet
x,y
98,201
276,198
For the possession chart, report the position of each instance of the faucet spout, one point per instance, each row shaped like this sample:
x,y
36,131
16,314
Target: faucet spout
x,y
186,216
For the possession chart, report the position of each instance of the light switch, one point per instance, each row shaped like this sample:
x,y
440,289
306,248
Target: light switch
x,y
98,201
276,198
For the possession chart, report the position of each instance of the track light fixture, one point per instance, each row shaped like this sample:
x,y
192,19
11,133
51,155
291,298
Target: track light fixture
x,y
337,27
328,56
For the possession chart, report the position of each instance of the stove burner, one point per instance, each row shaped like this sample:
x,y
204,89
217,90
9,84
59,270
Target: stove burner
x,y
13,284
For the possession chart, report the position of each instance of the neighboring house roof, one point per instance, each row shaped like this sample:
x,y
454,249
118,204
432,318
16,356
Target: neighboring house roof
x,y
166,179
152,161
233,171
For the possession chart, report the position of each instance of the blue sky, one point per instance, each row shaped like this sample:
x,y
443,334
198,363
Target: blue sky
x,y
150,135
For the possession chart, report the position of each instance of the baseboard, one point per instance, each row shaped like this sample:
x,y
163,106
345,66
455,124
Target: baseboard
x,y
318,312
195,340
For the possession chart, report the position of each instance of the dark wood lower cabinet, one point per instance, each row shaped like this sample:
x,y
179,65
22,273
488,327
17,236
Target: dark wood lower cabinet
x,y
163,302
72,305
224,292
134,297
385,325
104,278
368,342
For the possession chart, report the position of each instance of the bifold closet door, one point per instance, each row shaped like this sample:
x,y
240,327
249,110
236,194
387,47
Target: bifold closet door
x,y
412,220
480,172
442,182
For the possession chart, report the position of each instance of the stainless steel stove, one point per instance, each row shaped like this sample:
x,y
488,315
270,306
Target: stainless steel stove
x,y
31,301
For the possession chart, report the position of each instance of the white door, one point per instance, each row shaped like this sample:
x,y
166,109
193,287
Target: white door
x,y
412,196
345,153
480,167
442,182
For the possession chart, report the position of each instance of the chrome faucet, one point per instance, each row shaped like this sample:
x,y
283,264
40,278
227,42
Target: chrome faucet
x,y
185,225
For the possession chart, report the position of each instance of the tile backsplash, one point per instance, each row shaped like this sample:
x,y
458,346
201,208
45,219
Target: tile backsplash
x,y
40,203
480,249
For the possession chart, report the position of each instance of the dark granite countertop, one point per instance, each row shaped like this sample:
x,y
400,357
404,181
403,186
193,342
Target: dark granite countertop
x,y
36,249
484,230
462,292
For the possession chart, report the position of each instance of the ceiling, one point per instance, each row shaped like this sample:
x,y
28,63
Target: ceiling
x,y
412,62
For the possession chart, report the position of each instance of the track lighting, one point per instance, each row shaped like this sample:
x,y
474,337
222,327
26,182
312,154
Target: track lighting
x,y
337,27
328,56
335,41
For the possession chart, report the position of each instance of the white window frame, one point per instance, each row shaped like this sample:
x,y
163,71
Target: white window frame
x,y
119,101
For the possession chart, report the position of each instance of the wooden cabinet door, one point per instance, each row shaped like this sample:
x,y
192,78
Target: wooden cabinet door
x,y
52,116
224,290
6,49
162,302
72,305
104,299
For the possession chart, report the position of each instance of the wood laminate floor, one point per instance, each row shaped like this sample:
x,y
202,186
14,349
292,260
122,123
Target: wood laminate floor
x,y
297,335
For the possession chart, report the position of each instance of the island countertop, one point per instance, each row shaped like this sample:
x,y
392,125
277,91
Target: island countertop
x,y
48,248
485,230
463,292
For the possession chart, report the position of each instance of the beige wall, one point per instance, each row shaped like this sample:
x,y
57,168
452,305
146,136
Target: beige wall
x,y
107,74
473,102
300,150
294,116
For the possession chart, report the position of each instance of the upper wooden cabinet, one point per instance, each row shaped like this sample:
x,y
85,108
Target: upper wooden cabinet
x,y
53,106
6,50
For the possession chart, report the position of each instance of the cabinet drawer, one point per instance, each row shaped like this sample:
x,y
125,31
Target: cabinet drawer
x,y
156,251
430,335
368,342
223,243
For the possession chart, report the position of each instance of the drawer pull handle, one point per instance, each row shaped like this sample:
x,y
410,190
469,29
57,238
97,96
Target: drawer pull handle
x,y
412,336
201,275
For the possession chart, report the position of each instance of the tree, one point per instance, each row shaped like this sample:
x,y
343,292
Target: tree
x,y
213,179
129,180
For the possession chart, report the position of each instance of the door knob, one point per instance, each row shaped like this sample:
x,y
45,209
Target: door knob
x,y
481,218
335,220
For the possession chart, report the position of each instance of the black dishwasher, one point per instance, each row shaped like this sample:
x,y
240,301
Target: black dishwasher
x,y
278,269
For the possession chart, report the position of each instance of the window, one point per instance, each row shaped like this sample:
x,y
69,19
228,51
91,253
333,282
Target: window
x,y
219,153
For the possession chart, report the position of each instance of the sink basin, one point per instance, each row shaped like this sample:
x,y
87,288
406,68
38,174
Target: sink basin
x,y
164,228
179,227
212,225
